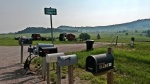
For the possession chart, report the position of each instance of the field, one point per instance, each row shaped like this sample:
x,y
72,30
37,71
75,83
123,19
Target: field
x,y
132,65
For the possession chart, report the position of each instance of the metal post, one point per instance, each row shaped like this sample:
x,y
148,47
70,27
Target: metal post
x,y
70,74
51,29
52,35
48,73
110,77
58,75
21,52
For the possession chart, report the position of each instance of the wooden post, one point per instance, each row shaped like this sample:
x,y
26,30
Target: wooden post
x,y
110,77
21,52
70,74
44,68
116,40
58,75
48,73
53,66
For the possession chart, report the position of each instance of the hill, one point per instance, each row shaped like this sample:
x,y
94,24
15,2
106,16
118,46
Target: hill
x,y
143,24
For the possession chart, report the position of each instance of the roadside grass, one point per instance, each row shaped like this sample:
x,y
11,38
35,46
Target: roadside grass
x,y
132,64
8,39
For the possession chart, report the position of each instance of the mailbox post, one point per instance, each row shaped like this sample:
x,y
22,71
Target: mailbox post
x,y
52,58
67,60
21,52
42,52
22,42
101,64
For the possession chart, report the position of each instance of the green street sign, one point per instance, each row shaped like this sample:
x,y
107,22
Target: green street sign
x,y
50,11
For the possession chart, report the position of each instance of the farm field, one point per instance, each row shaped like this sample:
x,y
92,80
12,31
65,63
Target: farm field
x,y
8,39
132,65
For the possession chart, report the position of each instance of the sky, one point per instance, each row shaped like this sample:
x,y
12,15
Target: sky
x,y
16,15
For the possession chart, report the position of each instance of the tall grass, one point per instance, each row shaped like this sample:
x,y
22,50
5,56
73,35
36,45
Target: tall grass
x,y
132,64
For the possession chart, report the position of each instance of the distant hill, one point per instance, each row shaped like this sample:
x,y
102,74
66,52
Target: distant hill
x,y
143,24
42,30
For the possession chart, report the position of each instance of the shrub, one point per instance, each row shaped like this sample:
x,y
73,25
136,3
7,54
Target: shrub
x,y
84,36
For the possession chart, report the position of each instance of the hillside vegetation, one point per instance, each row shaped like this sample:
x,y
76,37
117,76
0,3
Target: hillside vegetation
x,y
143,24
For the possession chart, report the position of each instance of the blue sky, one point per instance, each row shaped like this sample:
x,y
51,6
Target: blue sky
x,y
16,15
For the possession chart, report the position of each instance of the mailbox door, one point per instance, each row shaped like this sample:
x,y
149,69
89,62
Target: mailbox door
x,y
91,64
67,60
106,63
47,50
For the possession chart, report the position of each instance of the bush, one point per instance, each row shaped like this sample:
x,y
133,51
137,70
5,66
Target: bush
x,y
84,36
98,36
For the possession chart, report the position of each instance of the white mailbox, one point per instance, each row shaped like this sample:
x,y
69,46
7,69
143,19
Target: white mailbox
x,y
53,57
67,60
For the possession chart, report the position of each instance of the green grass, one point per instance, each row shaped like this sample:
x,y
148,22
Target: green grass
x,y
132,64
8,39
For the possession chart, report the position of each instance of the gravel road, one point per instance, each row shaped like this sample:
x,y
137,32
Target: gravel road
x,y
11,69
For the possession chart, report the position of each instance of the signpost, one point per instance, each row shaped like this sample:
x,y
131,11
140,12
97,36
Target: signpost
x,y
50,11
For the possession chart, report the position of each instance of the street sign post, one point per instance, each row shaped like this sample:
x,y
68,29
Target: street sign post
x,y
50,11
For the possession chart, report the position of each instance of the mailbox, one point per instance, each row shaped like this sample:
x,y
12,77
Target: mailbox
x,y
47,50
99,63
43,45
36,50
67,60
25,41
53,57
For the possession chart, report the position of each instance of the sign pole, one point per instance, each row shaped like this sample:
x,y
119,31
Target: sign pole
x,y
51,29
52,35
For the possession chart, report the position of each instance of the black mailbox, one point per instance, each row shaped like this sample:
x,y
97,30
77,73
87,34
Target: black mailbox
x,y
47,50
25,41
100,63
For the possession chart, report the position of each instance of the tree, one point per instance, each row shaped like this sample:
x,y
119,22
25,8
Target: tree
x,y
126,34
148,33
84,36
98,36
136,31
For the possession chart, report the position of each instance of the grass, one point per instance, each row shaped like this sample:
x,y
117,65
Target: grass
x,y
132,64
8,39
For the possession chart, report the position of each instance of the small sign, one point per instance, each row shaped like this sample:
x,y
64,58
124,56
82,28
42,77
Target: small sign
x,y
50,11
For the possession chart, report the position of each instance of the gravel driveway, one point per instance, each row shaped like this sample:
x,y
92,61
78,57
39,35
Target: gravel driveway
x,y
11,68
